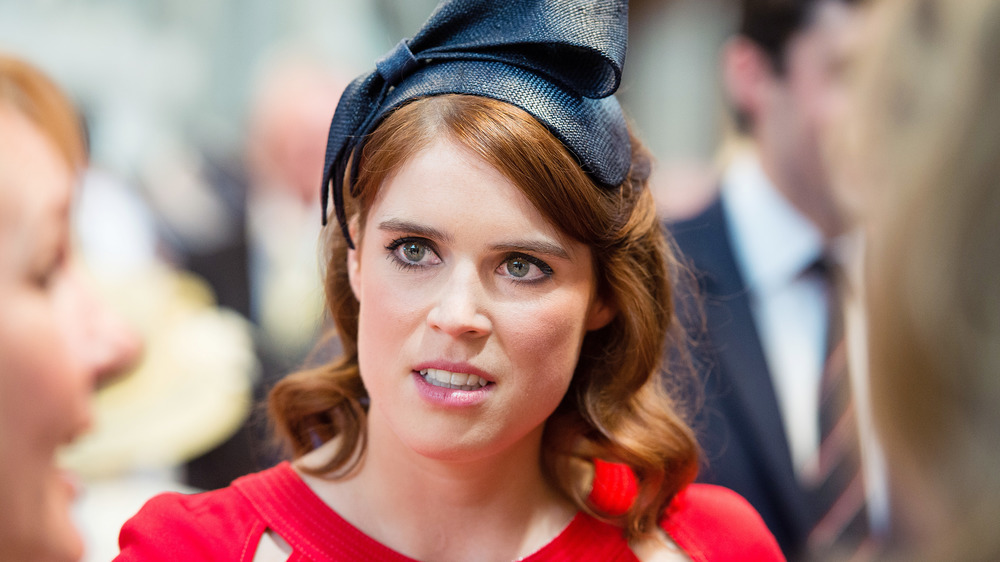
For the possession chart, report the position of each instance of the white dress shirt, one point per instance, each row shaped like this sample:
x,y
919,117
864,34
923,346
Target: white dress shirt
x,y
773,245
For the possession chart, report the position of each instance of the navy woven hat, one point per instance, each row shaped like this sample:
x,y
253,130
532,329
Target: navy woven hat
x,y
559,60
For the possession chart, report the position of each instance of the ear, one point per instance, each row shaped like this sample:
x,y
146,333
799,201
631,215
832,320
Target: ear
x,y
746,75
600,313
354,262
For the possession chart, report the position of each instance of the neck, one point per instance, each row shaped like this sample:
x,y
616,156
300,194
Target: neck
x,y
434,509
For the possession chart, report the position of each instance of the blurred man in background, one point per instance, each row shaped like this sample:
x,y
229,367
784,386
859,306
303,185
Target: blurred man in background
x,y
780,424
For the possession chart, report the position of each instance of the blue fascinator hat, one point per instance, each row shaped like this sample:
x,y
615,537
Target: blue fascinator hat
x,y
559,60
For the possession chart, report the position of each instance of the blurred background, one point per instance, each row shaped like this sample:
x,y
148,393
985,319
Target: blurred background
x,y
165,81
199,218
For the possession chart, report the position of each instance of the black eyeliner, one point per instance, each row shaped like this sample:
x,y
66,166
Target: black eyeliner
x,y
395,244
544,267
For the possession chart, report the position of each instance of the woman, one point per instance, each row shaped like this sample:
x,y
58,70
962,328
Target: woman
x,y
56,342
927,134
500,286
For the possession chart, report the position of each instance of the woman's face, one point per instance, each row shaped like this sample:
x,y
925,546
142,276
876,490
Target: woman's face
x,y
473,309
54,344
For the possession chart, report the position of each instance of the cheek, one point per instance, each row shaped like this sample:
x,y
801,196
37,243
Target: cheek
x,y
814,96
391,314
545,339
38,378
39,403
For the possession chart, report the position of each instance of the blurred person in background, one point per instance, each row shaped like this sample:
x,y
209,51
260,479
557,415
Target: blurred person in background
x,y
57,342
267,266
767,253
921,151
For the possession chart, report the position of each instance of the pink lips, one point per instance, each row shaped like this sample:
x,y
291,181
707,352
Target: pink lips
x,y
454,368
447,397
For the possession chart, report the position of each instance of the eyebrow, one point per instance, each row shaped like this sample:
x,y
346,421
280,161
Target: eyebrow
x,y
534,247
527,247
399,225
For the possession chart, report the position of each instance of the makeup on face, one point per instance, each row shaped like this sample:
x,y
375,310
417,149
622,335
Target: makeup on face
x,y
473,307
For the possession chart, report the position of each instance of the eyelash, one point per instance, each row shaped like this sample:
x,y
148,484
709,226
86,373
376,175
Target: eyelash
x,y
541,265
395,244
391,248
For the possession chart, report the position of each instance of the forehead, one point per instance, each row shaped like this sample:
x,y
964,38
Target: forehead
x,y
29,161
35,181
448,179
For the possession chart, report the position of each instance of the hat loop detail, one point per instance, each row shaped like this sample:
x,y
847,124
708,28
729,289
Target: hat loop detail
x,y
396,64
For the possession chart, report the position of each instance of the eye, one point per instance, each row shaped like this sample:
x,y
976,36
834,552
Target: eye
x,y
412,252
525,268
518,267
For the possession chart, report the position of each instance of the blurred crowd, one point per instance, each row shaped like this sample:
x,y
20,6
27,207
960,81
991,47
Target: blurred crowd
x,y
827,168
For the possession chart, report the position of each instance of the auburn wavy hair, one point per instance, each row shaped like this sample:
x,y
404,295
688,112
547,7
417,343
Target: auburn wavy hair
x,y
617,407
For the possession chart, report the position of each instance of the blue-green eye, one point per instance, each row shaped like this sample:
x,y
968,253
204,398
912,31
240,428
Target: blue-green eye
x,y
518,267
413,251
524,268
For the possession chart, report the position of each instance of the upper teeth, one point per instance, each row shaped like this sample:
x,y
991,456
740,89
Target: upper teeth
x,y
457,381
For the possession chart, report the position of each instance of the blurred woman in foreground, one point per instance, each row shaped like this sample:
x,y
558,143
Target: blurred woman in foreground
x,y
56,341
927,137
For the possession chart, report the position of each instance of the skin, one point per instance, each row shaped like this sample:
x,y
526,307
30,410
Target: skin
x,y
791,113
451,292
841,145
56,344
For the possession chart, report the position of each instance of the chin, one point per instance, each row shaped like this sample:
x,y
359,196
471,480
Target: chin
x,y
59,547
444,451
70,546
36,521
61,540
467,446
443,443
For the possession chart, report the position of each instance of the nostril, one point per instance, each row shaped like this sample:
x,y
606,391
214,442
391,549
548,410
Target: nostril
x,y
118,351
458,322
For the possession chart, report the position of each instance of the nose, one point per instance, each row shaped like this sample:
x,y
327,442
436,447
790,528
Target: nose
x,y
459,309
117,346
109,345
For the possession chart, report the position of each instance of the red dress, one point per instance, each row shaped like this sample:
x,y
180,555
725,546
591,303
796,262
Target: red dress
x,y
707,522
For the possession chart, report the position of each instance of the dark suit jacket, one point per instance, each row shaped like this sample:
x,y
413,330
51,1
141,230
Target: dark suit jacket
x,y
226,269
739,426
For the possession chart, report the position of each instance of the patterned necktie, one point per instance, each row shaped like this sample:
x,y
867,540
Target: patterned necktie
x,y
838,492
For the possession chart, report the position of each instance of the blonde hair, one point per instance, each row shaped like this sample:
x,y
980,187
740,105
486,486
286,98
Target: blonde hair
x,y
928,137
616,407
27,90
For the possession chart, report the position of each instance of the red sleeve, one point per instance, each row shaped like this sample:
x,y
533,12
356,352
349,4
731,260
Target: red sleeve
x,y
216,526
712,523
